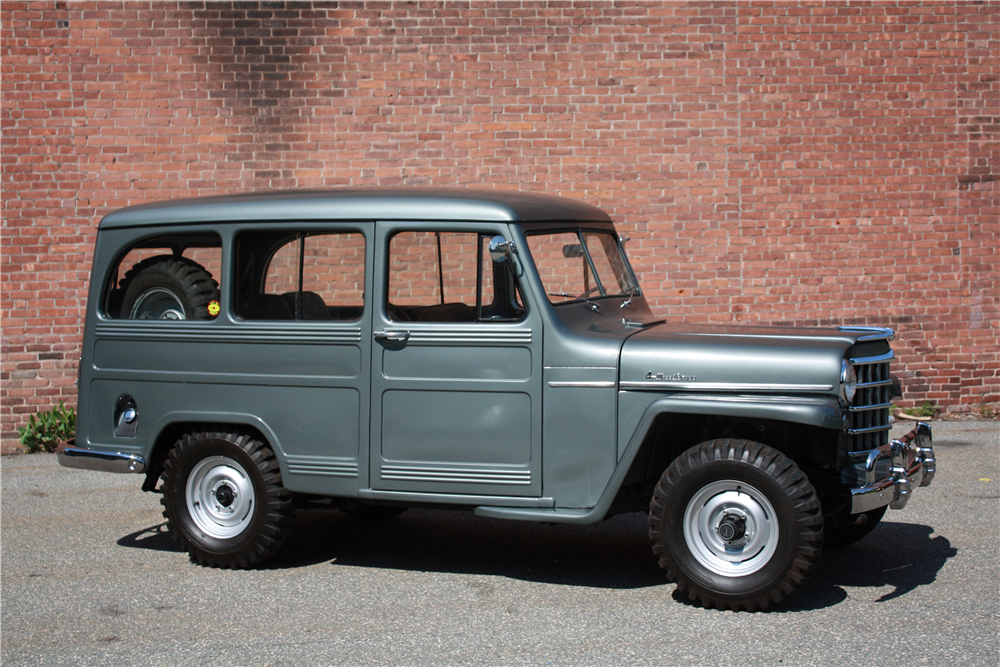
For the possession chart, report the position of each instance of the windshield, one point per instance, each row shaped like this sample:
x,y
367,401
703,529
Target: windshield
x,y
580,264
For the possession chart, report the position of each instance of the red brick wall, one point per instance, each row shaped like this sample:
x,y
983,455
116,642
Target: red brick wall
x,y
773,162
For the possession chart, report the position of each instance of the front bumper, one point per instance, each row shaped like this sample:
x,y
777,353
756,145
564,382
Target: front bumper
x,y
71,456
888,474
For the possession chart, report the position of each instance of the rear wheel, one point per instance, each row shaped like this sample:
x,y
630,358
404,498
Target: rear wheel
x,y
223,499
736,524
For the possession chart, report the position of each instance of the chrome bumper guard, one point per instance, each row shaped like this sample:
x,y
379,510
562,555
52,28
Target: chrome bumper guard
x,y
892,471
70,456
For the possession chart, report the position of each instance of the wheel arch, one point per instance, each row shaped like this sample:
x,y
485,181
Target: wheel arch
x,y
805,429
173,425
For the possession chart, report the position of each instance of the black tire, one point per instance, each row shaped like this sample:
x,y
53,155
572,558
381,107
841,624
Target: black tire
x,y
364,512
223,499
755,497
166,288
843,531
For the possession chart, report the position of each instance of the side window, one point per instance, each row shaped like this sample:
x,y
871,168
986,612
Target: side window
x,y
167,278
301,276
448,277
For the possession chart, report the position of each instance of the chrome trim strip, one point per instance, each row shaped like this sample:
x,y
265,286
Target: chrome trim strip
x,y
873,333
866,408
868,385
90,459
594,385
877,359
724,386
872,429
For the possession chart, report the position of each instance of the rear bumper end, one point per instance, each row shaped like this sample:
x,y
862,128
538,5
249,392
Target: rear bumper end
x,y
71,456
889,474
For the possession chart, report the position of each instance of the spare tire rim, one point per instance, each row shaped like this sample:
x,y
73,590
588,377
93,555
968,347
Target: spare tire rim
x,y
158,303
220,497
730,528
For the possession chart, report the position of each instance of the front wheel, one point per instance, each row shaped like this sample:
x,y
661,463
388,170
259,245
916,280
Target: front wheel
x,y
223,499
736,524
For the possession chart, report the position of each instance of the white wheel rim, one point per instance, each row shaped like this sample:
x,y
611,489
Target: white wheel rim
x,y
157,303
220,497
736,504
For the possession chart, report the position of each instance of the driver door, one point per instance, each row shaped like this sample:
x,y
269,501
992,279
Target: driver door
x,y
456,372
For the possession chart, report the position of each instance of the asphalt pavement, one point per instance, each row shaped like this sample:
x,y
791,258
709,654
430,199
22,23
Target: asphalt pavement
x,y
88,577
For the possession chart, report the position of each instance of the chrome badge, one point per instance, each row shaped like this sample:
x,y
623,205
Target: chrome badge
x,y
676,377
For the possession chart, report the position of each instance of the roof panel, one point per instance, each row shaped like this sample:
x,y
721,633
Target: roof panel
x,y
360,204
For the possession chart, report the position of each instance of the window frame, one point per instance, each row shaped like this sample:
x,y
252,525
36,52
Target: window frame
x,y
283,236
482,237
633,290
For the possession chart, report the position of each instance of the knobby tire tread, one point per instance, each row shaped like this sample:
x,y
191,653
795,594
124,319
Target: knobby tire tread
x,y
197,283
794,483
278,503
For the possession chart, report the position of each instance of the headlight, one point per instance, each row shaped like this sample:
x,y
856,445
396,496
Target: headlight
x,y
848,381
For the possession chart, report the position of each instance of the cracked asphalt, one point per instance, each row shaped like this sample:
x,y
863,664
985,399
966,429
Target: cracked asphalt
x,y
87,577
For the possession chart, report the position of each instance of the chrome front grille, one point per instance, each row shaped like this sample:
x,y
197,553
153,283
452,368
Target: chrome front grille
x,y
868,415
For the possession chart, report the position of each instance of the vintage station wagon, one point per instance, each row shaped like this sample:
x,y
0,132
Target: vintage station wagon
x,y
484,350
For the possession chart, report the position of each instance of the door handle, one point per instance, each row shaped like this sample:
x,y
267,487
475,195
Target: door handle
x,y
397,336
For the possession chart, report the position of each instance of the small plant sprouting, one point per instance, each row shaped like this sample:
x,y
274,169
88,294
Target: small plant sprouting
x,y
928,409
47,429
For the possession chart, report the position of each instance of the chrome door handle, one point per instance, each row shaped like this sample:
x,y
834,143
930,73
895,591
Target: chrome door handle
x,y
398,336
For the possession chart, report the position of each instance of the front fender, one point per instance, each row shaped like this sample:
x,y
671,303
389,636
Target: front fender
x,y
820,412
638,409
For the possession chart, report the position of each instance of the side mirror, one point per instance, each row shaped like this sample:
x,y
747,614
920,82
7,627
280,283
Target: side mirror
x,y
501,249
573,250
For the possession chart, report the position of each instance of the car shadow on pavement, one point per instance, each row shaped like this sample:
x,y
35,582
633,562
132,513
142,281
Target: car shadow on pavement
x,y
900,556
155,538
612,554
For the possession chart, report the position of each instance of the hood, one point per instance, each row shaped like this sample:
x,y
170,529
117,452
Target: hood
x,y
737,359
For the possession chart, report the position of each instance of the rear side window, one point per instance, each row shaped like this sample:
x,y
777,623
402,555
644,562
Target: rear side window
x,y
167,278
301,276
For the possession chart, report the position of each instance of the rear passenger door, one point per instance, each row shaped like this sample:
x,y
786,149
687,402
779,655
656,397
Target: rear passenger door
x,y
302,311
456,367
